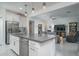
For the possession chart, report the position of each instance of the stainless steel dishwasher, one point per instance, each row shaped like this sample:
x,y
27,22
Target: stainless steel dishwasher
x,y
24,47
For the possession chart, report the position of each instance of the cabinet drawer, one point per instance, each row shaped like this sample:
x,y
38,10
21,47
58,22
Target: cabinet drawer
x,y
33,51
33,47
34,44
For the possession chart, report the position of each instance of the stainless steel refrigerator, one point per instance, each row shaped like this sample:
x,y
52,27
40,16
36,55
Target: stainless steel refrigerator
x,y
10,27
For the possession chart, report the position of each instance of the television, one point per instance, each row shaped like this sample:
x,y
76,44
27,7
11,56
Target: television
x,y
59,27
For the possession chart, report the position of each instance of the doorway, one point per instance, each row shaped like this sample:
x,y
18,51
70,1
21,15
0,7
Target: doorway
x,y
31,27
39,28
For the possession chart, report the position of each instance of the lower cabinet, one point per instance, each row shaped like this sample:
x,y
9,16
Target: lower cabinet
x,y
33,51
19,45
25,47
42,49
14,44
33,48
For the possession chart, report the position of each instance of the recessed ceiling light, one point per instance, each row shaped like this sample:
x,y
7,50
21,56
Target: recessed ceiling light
x,y
20,8
68,12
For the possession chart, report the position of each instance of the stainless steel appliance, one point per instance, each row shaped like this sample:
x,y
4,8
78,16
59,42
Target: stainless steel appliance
x,y
10,27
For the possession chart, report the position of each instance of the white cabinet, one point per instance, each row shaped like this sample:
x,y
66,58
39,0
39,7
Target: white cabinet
x,y
33,48
33,51
42,49
14,44
25,47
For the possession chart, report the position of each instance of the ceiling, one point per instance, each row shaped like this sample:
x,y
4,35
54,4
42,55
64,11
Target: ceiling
x,y
70,11
15,6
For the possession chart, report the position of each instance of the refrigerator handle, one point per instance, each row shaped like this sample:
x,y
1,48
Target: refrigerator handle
x,y
14,43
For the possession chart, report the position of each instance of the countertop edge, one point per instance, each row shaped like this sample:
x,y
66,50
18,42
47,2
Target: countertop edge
x,y
33,39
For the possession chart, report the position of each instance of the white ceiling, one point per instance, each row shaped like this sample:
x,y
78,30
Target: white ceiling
x,y
74,12
14,6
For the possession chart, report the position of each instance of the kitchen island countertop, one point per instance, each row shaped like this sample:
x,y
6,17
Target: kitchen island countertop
x,y
41,38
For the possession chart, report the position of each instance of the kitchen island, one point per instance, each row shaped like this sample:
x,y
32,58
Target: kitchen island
x,y
33,45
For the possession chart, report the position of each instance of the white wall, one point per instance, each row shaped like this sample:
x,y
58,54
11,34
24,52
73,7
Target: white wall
x,y
50,23
22,21
11,16
2,29
2,32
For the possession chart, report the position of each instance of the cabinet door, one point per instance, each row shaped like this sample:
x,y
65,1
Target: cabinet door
x,y
12,42
33,51
33,48
16,45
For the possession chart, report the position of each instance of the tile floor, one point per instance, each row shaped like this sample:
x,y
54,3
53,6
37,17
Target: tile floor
x,y
5,51
68,49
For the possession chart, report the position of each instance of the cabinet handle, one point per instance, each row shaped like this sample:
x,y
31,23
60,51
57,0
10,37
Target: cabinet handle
x,y
32,49
14,43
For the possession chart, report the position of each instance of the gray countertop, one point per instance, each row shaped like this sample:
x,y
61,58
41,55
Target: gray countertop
x,y
41,38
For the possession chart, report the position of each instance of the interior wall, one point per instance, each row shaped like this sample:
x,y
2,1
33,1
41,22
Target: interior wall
x,y
36,25
2,25
50,23
45,25
22,21
65,21
12,16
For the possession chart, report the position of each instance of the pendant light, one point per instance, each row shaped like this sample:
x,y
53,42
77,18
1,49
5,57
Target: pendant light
x,y
26,10
25,13
33,10
44,5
